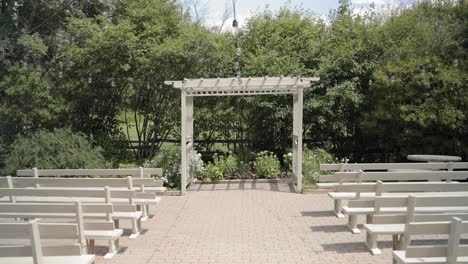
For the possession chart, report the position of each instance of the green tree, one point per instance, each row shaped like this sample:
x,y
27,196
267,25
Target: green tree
x,y
60,149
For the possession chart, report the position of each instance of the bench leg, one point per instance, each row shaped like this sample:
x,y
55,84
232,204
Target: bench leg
x,y
113,247
396,245
116,223
352,224
371,244
338,207
148,210
369,219
144,213
136,224
90,246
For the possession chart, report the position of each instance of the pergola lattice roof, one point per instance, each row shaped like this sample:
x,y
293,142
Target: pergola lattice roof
x,y
242,86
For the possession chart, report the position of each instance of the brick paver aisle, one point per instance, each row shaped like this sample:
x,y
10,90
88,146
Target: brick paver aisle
x,y
246,223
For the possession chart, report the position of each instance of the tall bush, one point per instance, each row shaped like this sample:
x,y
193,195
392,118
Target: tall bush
x,y
311,160
58,149
267,165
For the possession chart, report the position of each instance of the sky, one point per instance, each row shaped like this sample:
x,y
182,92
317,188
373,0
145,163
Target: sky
x,y
213,10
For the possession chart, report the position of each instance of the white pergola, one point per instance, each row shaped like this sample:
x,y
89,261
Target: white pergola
x,y
240,86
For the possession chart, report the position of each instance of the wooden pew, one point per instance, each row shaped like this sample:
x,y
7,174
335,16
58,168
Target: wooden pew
x,y
38,253
340,167
121,210
137,173
345,178
378,205
451,253
141,200
369,190
418,209
88,230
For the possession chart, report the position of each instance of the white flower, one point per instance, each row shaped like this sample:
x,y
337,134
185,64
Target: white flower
x,y
289,154
199,155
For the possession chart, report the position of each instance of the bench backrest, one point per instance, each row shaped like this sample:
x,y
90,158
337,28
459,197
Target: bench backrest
x,y
67,192
394,166
128,182
75,210
389,187
413,201
137,172
35,210
362,176
403,218
35,232
451,251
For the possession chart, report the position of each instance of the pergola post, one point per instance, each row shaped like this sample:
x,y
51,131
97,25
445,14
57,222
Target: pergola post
x,y
186,139
190,140
298,99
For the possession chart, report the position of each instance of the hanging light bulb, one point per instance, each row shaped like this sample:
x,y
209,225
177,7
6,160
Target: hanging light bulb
x,y
90,79
148,86
393,77
455,62
370,82
112,82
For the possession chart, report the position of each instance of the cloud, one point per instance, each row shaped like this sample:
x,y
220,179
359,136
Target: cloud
x,y
368,2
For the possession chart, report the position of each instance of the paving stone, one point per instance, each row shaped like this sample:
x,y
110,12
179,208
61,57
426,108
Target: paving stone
x,y
246,223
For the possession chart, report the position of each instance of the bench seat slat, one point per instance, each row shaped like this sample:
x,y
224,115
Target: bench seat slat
x,y
103,234
401,256
83,259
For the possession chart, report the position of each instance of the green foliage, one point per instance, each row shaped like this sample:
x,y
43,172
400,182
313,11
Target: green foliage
x,y
228,165
212,173
28,102
128,165
267,165
169,160
60,149
311,160
393,82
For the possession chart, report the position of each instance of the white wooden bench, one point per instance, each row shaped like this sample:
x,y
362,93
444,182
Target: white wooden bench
x,y
418,209
141,200
451,253
122,209
328,181
37,253
88,230
345,178
368,190
379,206
341,167
137,173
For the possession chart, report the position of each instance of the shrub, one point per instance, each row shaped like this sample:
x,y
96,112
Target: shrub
x,y
60,149
245,169
212,173
114,148
267,164
311,164
169,160
128,165
287,160
198,166
228,165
